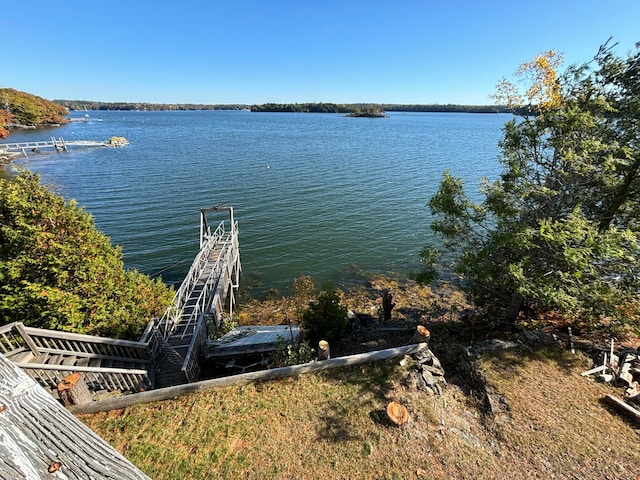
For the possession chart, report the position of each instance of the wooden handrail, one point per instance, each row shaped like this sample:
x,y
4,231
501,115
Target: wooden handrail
x,y
83,338
78,368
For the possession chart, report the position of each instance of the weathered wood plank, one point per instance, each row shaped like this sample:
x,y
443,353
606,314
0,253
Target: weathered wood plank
x,y
81,337
93,355
171,392
78,368
37,433
623,407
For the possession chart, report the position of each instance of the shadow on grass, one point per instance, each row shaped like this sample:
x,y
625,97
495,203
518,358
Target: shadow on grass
x,y
373,383
337,426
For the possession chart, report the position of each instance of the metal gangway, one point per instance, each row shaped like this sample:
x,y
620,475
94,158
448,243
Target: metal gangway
x,y
199,304
169,351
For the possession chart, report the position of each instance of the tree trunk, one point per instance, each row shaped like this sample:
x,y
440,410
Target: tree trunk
x,y
244,378
514,307
73,390
387,305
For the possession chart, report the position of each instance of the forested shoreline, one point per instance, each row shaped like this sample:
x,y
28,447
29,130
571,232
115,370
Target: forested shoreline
x,y
317,107
21,109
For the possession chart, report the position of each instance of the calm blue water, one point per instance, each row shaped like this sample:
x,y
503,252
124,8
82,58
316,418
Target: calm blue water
x,y
325,195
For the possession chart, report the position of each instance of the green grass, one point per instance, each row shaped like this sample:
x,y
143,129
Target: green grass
x,y
331,425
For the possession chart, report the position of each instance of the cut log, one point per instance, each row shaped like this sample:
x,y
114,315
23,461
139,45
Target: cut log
x,y
623,407
397,413
422,334
73,390
323,350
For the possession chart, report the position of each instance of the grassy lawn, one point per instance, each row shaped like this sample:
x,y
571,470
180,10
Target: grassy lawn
x,y
331,425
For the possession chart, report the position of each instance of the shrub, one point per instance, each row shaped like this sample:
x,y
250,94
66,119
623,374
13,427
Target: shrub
x,y
326,317
57,271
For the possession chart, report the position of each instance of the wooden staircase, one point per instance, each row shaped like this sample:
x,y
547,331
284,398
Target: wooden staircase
x,y
106,364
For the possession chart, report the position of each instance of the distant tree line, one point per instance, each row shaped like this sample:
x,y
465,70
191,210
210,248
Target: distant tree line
x,y
93,105
317,107
379,107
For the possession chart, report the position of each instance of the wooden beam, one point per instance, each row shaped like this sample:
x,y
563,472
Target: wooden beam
x,y
40,437
79,368
623,407
172,392
39,332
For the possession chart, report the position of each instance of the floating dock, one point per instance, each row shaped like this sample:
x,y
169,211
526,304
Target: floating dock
x,y
59,145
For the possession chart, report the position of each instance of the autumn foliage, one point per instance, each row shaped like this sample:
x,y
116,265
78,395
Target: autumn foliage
x,y
20,108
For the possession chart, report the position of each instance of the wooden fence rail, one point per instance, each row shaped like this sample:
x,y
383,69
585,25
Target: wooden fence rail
x,y
263,375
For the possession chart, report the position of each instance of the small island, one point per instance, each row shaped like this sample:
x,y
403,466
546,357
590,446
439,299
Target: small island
x,y
372,111
368,114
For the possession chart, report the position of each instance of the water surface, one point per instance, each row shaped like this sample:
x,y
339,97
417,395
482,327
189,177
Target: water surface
x,y
318,194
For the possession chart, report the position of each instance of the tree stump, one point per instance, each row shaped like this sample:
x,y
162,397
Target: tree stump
x,y
421,335
397,413
387,305
73,390
323,350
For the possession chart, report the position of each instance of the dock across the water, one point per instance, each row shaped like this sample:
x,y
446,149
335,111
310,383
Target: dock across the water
x,y
59,145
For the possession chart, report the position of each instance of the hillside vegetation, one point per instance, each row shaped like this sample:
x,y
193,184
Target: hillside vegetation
x,y
57,271
25,109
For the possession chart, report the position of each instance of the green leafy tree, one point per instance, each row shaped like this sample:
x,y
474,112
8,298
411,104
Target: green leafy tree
x,y
559,229
58,271
326,317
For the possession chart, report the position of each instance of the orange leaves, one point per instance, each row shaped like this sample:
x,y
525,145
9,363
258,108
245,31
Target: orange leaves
x,y
541,73
542,89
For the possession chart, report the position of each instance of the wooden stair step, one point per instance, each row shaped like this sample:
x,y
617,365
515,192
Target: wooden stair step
x,y
23,357
95,362
69,360
54,359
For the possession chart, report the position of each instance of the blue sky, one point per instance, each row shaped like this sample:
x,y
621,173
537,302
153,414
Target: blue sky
x,y
249,51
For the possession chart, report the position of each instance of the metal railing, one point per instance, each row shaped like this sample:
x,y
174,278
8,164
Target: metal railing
x,y
173,313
